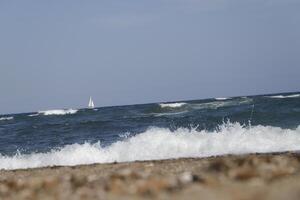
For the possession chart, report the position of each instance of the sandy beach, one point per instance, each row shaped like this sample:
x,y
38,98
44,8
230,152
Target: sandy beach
x,y
255,176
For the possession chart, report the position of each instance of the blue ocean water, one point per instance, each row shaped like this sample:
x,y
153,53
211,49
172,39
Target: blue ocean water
x,y
198,128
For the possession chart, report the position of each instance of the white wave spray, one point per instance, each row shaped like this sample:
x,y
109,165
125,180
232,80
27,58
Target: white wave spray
x,y
221,98
284,97
161,143
220,104
57,112
171,105
6,118
33,115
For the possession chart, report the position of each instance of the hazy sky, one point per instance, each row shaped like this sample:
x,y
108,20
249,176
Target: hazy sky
x,y
55,54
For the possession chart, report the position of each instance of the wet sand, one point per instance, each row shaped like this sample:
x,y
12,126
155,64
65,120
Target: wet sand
x,y
255,176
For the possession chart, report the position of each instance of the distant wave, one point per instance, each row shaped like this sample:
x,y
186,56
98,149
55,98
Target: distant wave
x,y
58,112
161,143
283,97
33,115
219,104
209,105
6,118
221,98
169,113
171,105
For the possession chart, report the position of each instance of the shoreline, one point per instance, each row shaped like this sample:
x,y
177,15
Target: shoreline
x,y
155,160
259,175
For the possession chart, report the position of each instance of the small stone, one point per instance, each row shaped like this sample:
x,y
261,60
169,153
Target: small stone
x,y
243,174
186,178
122,174
115,186
92,178
50,182
149,165
218,166
78,181
129,174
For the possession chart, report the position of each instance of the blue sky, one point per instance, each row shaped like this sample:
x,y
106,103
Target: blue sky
x,y
55,54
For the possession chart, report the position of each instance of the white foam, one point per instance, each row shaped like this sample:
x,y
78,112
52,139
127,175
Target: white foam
x,y
221,98
6,118
33,115
161,143
219,104
283,97
171,105
58,112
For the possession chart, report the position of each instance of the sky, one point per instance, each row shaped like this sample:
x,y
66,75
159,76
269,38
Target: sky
x,y
55,54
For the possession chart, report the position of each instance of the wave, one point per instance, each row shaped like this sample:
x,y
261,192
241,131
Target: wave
x,y
171,105
219,104
161,143
6,118
58,112
283,97
221,98
187,107
33,115
169,113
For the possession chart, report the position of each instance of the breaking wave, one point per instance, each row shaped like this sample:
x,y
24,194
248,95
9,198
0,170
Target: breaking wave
x,y
171,105
6,118
221,98
33,115
161,143
283,97
220,104
57,112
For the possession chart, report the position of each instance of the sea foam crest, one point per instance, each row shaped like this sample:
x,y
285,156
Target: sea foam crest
x,y
58,112
171,105
6,118
220,104
283,97
33,115
221,98
161,143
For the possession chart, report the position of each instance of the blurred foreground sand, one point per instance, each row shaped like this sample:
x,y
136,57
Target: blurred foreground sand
x,y
255,176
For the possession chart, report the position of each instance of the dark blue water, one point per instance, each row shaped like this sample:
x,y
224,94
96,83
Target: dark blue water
x,y
44,132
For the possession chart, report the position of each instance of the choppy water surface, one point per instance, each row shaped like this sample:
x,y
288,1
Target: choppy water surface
x,y
199,128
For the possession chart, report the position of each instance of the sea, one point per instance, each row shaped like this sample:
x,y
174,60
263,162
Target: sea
x,y
165,130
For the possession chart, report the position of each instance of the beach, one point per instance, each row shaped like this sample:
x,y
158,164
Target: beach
x,y
167,100
253,176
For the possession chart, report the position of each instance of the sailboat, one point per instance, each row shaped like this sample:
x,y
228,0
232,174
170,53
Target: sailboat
x,y
91,104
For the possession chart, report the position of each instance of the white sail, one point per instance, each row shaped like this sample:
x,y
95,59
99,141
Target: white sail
x,y
91,103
